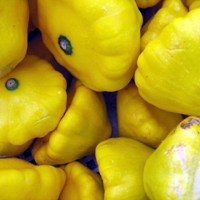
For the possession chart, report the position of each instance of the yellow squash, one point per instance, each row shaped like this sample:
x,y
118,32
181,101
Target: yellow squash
x,y
84,124
23,180
168,73
172,170
33,99
169,10
36,47
146,3
121,163
142,121
97,41
193,4
81,183
14,19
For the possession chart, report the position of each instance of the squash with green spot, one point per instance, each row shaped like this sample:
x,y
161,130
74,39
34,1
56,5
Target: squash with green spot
x,y
97,41
33,100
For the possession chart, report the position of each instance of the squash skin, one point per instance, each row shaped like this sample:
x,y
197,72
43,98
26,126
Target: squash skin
x,y
168,69
102,40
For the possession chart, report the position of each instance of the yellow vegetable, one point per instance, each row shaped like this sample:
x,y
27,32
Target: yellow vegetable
x,y
36,47
121,163
23,180
33,99
8,149
168,73
14,32
172,170
146,3
169,10
193,4
97,41
81,183
142,121
84,124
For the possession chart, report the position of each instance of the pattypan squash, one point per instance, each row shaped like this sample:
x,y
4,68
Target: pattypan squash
x,y
84,124
23,180
121,163
81,183
36,47
142,121
193,4
172,170
97,41
146,3
169,10
14,34
33,100
168,73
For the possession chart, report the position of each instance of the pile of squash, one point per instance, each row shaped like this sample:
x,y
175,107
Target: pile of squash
x,y
59,58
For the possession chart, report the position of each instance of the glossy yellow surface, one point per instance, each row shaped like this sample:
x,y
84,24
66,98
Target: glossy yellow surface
x,y
13,33
97,41
172,170
142,121
82,183
23,180
168,69
121,163
169,10
33,99
84,124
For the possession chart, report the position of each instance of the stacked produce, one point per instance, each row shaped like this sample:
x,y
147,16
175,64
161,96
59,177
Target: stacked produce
x,y
59,59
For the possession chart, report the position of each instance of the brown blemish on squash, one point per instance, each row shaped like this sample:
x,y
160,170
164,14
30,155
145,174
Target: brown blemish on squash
x,y
189,123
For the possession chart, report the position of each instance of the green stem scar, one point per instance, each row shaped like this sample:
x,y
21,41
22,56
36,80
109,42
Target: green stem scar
x,y
12,84
65,45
